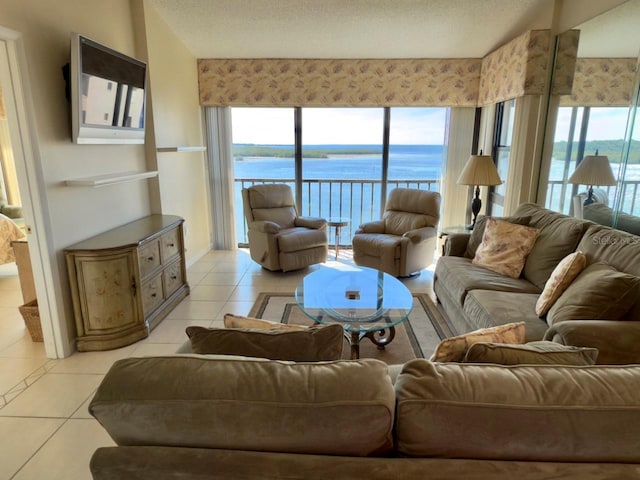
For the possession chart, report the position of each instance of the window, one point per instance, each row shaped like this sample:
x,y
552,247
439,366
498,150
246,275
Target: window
x,y
581,131
503,133
346,162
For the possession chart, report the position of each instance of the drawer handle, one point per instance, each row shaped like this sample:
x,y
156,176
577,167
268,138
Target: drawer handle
x,y
154,295
171,244
174,277
150,259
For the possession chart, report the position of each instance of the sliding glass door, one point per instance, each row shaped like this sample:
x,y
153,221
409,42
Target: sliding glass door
x,y
340,162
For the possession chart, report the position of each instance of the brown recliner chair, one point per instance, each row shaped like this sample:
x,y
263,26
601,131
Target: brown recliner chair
x,y
278,238
404,241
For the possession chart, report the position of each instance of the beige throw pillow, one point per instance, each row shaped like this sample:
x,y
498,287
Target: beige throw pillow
x,y
599,292
454,349
505,247
310,345
532,353
475,239
561,277
238,321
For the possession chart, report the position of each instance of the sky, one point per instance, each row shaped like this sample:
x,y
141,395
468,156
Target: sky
x,y
605,123
274,126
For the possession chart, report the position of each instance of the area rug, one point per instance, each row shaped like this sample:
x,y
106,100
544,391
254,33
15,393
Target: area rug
x,y
416,337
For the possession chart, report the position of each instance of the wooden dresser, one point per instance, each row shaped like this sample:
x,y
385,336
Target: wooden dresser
x,y
126,280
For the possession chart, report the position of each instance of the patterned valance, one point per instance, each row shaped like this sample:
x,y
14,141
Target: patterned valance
x,y
339,83
565,62
515,69
602,82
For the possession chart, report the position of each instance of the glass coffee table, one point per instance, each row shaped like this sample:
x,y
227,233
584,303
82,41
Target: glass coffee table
x,y
366,302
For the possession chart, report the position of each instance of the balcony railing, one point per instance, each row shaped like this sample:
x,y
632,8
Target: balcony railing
x,y
357,200
559,196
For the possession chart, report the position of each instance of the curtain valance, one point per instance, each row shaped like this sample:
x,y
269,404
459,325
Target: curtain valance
x,y
339,83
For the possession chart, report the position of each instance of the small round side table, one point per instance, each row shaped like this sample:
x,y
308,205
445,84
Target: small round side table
x,y
338,223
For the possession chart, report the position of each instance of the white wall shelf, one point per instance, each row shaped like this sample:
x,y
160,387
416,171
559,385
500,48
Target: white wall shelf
x,y
111,178
181,149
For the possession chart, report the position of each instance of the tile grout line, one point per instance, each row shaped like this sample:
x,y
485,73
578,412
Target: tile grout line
x,y
25,383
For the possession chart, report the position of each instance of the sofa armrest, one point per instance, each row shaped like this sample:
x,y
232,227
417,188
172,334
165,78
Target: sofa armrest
x,y
617,341
311,222
420,234
265,226
376,226
455,244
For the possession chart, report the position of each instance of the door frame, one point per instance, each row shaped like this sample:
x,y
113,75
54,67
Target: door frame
x,y
22,129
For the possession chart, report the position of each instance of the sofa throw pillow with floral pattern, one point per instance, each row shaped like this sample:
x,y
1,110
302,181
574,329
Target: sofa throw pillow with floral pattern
x,y
561,277
505,247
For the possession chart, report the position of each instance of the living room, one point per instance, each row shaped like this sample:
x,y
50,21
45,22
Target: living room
x,y
39,34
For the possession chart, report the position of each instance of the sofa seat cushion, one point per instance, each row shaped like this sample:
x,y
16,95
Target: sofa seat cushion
x,y
487,308
328,408
300,238
525,412
377,244
461,276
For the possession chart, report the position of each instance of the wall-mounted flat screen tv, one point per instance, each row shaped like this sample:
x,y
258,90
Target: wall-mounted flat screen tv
x,y
107,94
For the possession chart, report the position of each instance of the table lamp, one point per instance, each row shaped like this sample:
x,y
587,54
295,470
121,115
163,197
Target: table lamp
x,y
479,171
593,170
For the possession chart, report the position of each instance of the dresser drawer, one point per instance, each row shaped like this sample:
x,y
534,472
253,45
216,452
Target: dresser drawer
x,y
172,277
170,244
152,294
149,257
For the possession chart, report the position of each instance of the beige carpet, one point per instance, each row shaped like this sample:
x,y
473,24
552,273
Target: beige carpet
x,y
415,338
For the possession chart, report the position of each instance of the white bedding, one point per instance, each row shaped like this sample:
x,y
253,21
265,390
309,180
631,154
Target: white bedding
x,y
9,231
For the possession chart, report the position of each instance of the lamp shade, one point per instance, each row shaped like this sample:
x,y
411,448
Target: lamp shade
x,y
479,170
593,170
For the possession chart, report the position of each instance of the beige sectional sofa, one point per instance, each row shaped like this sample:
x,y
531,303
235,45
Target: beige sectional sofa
x,y
474,297
193,417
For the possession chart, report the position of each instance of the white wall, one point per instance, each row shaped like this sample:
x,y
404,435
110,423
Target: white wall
x,y
174,119
177,121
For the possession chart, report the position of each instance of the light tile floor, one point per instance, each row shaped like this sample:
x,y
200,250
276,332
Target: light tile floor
x,y
46,431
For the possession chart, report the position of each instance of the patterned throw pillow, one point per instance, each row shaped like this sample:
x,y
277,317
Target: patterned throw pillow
x,y
561,277
478,231
505,247
237,321
454,349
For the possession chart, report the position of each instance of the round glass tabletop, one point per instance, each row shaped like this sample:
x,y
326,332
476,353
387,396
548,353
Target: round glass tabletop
x,y
361,299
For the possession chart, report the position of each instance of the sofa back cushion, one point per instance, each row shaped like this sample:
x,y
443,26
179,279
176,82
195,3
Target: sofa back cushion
x,y
329,408
528,413
619,249
312,344
559,236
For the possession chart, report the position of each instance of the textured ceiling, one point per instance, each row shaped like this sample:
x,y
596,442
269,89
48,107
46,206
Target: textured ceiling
x,y
350,28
